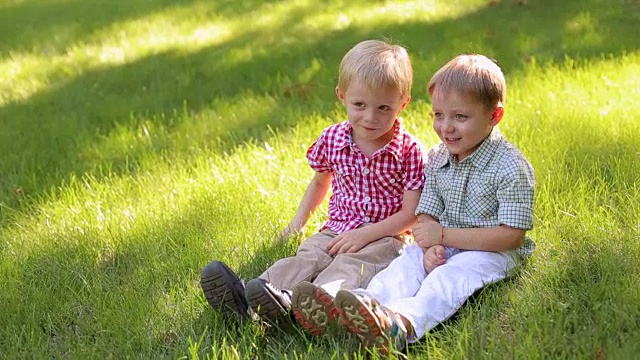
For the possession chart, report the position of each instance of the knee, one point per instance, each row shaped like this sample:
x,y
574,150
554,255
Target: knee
x,y
450,274
439,272
346,259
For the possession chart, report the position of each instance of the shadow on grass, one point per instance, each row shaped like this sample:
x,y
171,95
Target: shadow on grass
x,y
65,130
134,293
109,291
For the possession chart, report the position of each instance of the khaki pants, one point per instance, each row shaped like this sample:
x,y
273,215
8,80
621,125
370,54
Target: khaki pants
x,y
344,271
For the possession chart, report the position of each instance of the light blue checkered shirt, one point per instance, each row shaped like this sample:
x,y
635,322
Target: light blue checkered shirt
x,y
491,187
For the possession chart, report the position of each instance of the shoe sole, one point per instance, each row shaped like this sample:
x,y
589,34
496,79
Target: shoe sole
x,y
223,289
263,303
313,307
360,320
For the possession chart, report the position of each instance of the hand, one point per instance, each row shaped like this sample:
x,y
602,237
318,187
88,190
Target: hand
x,y
433,257
287,232
427,234
348,242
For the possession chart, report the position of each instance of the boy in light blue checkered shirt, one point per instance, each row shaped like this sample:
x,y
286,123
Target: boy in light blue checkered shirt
x,y
474,211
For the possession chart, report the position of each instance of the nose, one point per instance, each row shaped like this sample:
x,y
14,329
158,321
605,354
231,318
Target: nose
x,y
370,115
446,125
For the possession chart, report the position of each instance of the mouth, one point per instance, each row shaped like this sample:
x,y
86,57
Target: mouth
x,y
451,140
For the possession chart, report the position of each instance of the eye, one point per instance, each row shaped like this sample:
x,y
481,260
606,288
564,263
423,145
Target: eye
x,y
384,107
437,115
461,116
359,104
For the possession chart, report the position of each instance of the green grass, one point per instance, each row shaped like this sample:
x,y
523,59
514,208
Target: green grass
x,y
142,139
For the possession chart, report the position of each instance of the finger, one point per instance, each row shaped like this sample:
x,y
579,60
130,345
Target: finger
x,y
348,248
337,247
332,244
354,248
429,267
332,249
436,262
342,248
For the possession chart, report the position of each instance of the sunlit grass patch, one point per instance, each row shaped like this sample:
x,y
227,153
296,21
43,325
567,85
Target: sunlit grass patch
x,y
141,140
178,29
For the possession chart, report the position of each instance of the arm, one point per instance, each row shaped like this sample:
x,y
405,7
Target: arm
x,y
356,239
314,195
499,238
429,232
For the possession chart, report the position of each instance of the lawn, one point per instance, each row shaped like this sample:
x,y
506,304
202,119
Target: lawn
x,y
141,139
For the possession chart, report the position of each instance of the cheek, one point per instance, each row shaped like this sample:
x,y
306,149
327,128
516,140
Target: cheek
x,y
388,118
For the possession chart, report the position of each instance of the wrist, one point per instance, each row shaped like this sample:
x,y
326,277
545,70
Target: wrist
x,y
441,235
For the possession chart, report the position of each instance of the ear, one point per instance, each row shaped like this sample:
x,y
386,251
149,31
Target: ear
x,y
404,104
496,115
340,95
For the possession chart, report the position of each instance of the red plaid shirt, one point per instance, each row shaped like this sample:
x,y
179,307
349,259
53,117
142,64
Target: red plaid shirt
x,y
366,190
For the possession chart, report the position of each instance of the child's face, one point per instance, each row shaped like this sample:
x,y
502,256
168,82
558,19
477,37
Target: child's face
x,y
461,122
372,113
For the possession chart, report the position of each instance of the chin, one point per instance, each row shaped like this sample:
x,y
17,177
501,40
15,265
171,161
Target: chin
x,y
452,149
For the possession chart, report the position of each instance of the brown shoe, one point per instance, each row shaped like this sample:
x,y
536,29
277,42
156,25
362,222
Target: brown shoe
x,y
375,325
313,307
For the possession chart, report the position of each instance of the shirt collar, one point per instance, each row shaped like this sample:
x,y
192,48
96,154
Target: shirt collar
x,y
481,156
343,135
394,147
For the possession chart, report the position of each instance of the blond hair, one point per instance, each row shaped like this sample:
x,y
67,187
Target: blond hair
x,y
377,64
474,75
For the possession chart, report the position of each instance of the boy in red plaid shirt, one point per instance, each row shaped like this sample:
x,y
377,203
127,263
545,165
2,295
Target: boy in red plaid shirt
x,y
375,170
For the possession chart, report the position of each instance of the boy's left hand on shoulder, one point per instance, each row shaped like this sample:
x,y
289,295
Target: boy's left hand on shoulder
x,y
348,242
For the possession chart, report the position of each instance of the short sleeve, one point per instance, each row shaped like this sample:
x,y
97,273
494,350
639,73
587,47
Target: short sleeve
x,y
317,154
431,203
414,168
516,195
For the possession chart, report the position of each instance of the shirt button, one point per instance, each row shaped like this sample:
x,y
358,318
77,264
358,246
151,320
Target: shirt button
x,y
367,219
367,199
392,181
365,171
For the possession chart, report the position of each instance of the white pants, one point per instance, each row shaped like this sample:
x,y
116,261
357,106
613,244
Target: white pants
x,y
427,300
